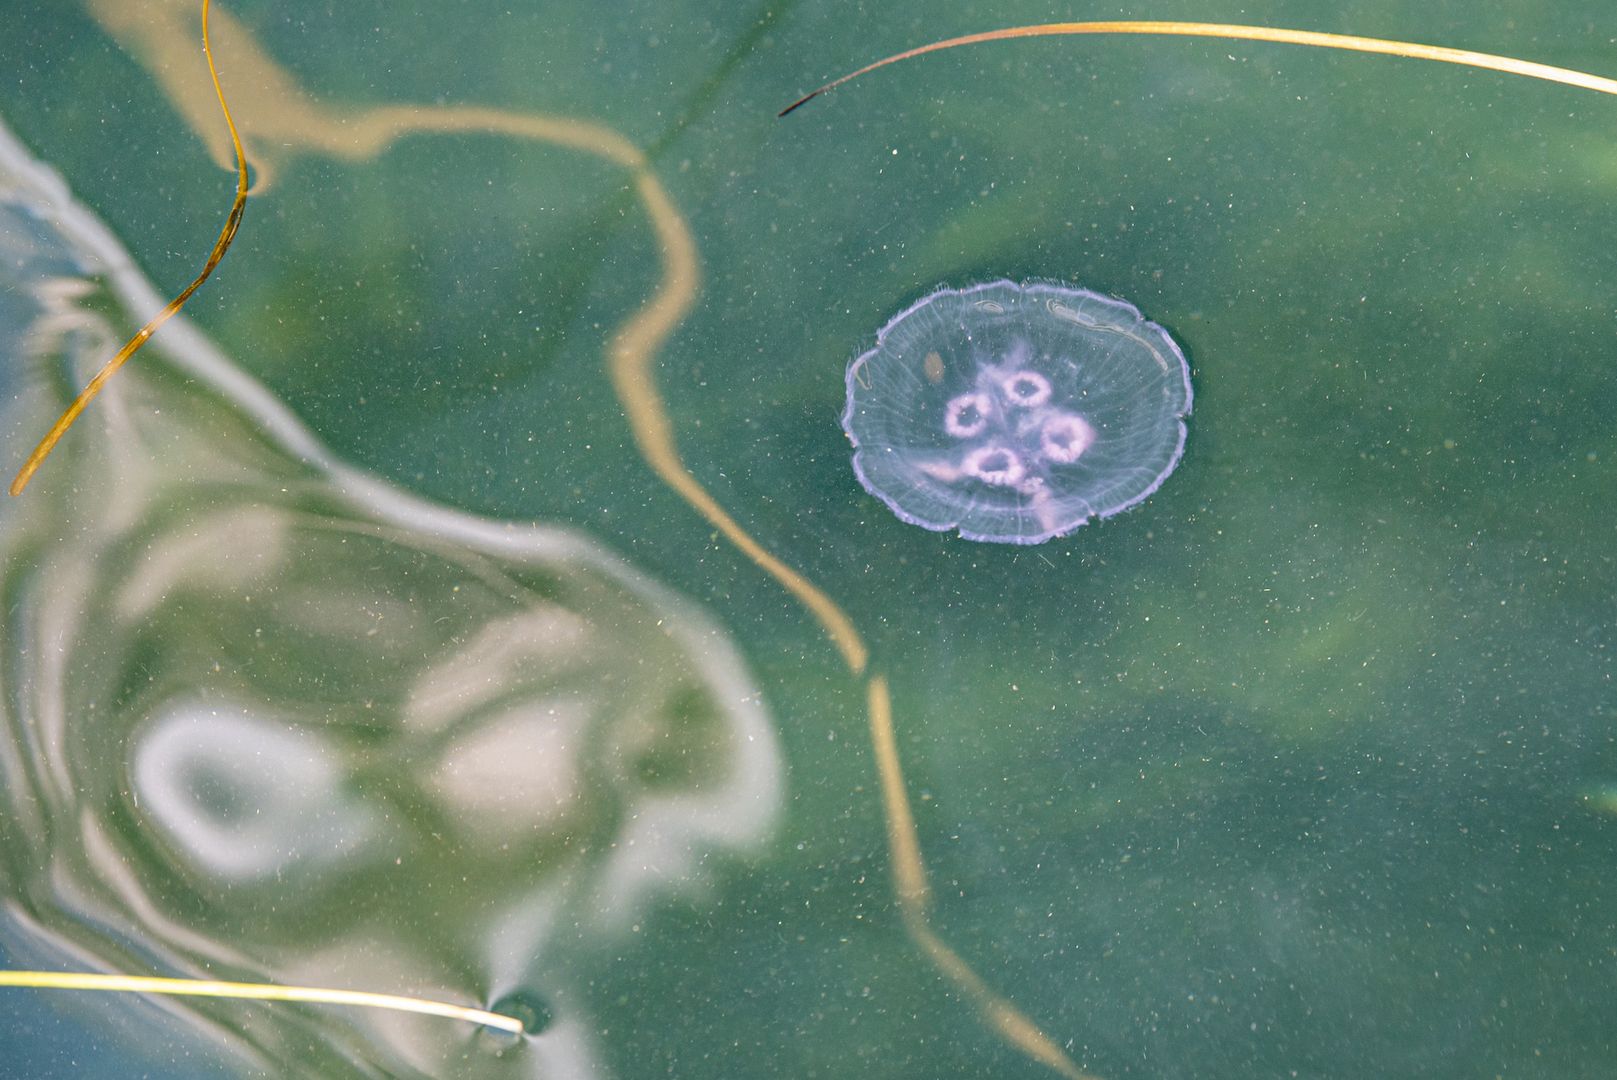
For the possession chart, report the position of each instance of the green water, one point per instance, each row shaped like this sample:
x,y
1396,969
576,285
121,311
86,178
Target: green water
x,y
1303,766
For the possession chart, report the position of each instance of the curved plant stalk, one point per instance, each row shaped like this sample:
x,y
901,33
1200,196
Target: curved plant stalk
x,y
318,995
132,346
1229,31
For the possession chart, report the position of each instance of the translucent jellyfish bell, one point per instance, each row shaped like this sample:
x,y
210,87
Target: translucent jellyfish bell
x,y
1016,413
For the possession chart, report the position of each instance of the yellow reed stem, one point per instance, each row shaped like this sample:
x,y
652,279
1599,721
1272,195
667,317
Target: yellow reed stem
x,y
318,995
1509,65
132,346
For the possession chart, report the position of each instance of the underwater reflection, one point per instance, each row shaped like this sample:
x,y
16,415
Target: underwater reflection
x,y
267,718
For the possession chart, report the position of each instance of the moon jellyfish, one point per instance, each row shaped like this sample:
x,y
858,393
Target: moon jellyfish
x,y
1016,413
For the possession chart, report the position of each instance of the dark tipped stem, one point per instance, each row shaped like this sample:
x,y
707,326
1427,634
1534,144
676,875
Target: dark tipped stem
x,y
799,103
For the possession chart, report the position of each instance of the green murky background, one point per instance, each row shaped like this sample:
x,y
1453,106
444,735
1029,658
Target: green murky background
x,y
1305,765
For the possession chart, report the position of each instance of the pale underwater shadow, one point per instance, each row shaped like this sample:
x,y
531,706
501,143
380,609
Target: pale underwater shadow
x,y
269,718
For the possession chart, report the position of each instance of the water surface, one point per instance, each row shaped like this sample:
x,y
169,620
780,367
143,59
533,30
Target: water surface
x,y
1301,765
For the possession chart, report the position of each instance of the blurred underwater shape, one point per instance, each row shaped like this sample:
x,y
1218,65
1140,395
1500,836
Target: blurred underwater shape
x,y
270,718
